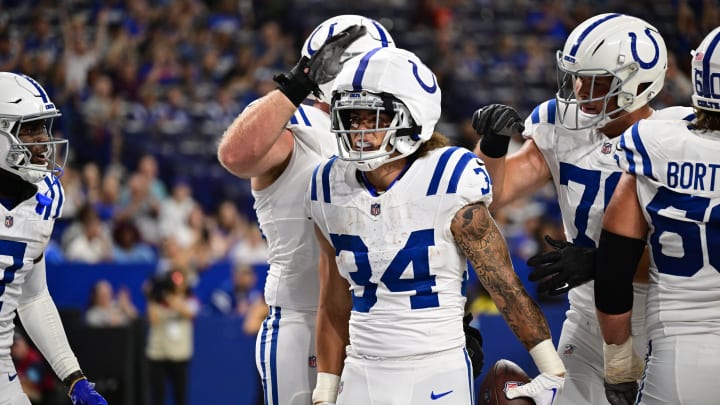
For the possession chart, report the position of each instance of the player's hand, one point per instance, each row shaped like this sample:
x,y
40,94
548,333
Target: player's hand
x,y
322,67
326,389
473,345
621,393
567,266
543,389
497,119
623,368
83,392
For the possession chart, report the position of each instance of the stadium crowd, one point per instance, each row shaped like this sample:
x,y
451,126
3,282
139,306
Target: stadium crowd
x,y
147,87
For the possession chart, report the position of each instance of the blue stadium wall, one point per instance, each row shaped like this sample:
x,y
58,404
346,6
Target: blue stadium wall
x,y
223,367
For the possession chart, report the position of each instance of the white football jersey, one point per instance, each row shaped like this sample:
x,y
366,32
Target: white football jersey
x,y
585,175
24,236
292,281
396,250
678,185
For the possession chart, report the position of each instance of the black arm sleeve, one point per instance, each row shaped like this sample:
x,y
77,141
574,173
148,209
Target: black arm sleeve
x,y
616,261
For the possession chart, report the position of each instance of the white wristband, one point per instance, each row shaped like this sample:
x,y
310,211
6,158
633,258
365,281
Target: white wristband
x,y
546,358
326,389
621,363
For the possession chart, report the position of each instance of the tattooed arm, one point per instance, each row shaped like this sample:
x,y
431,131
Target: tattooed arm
x,y
479,238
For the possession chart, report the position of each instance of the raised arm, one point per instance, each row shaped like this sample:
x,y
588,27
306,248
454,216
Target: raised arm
x,y
257,143
514,176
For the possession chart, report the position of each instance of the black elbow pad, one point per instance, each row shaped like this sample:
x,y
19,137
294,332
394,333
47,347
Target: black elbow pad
x,y
616,262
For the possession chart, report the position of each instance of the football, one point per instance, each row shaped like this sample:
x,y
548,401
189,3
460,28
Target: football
x,y
503,374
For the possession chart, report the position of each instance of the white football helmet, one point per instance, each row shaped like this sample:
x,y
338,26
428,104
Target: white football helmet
x,y
393,81
23,100
376,36
626,48
706,73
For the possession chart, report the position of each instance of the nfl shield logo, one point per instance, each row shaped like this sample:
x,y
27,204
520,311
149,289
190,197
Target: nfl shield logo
x,y
606,148
511,384
375,209
9,221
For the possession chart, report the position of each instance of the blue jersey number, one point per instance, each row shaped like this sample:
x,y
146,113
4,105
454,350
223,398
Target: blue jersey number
x,y
16,251
415,251
591,179
688,232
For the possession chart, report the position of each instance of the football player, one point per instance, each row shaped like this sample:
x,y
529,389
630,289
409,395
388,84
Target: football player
x,y
611,67
668,197
276,142
398,214
31,198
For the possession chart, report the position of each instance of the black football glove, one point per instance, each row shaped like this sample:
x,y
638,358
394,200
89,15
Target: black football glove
x,y
567,266
496,123
473,345
322,67
621,393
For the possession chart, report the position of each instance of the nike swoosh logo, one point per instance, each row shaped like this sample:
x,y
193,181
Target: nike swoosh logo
x,y
554,390
435,396
12,377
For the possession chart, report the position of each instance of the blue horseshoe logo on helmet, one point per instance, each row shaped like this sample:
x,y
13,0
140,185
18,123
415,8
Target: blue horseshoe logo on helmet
x,y
331,30
633,49
429,88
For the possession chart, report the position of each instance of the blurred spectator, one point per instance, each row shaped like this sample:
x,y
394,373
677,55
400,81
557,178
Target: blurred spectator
x,y
107,203
171,310
105,309
36,378
74,193
91,181
139,205
148,167
251,249
80,56
42,40
238,294
273,49
175,213
10,52
230,228
87,240
201,248
128,247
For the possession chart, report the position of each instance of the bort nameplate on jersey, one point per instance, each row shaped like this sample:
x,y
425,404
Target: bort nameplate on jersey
x,y
9,221
375,209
